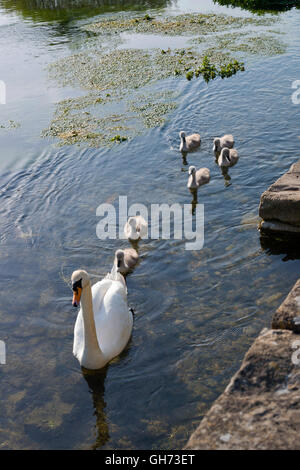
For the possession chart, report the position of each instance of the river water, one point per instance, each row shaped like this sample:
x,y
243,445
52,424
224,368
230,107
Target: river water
x,y
196,312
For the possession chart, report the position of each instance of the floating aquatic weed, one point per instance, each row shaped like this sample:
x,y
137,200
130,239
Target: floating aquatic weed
x,y
190,75
153,114
76,128
97,70
207,70
261,45
231,69
148,17
113,77
82,102
118,138
10,125
189,24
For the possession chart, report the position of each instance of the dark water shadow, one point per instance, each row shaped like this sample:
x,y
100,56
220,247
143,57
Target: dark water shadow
x,y
261,6
67,10
96,384
281,244
194,201
226,176
184,160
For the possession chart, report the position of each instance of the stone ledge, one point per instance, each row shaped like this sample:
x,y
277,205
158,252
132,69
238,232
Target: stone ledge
x,y
280,203
260,407
275,226
288,310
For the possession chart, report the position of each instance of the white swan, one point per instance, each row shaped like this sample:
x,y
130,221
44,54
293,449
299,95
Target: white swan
x,y
136,228
125,260
198,178
220,142
190,142
228,157
104,322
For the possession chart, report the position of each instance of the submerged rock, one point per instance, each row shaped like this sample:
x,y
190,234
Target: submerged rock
x,y
260,407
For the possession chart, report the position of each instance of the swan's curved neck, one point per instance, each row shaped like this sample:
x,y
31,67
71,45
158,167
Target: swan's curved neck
x,y
131,232
193,182
225,160
92,349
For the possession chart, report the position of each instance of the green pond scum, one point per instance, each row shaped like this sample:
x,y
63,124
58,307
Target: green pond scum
x,y
10,125
188,24
124,77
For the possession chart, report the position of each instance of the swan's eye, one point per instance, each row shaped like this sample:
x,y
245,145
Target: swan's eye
x,y
76,285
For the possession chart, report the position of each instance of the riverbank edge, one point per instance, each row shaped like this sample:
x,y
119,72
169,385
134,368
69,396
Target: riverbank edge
x,y
260,407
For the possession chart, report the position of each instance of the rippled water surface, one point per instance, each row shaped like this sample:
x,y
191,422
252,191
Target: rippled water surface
x,y
196,312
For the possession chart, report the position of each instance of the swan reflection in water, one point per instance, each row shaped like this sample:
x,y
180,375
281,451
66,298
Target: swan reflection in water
x,y
184,160
226,176
96,383
194,201
95,380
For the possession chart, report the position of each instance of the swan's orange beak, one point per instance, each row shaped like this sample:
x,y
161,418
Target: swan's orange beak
x,y
76,297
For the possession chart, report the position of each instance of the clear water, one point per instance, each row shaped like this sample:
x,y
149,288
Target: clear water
x,y
196,313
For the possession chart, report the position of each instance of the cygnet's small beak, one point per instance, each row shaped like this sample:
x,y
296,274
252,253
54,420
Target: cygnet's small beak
x,y
76,297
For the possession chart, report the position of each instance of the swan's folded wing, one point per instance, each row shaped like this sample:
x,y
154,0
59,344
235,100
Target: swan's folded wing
x,y
115,321
98,292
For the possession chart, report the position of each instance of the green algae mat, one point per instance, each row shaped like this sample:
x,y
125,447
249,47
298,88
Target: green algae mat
x,y
120,100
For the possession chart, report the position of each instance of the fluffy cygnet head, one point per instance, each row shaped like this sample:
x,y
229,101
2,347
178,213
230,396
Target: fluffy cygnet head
x,y
120,254
192,169
119,258
217,145
132,222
